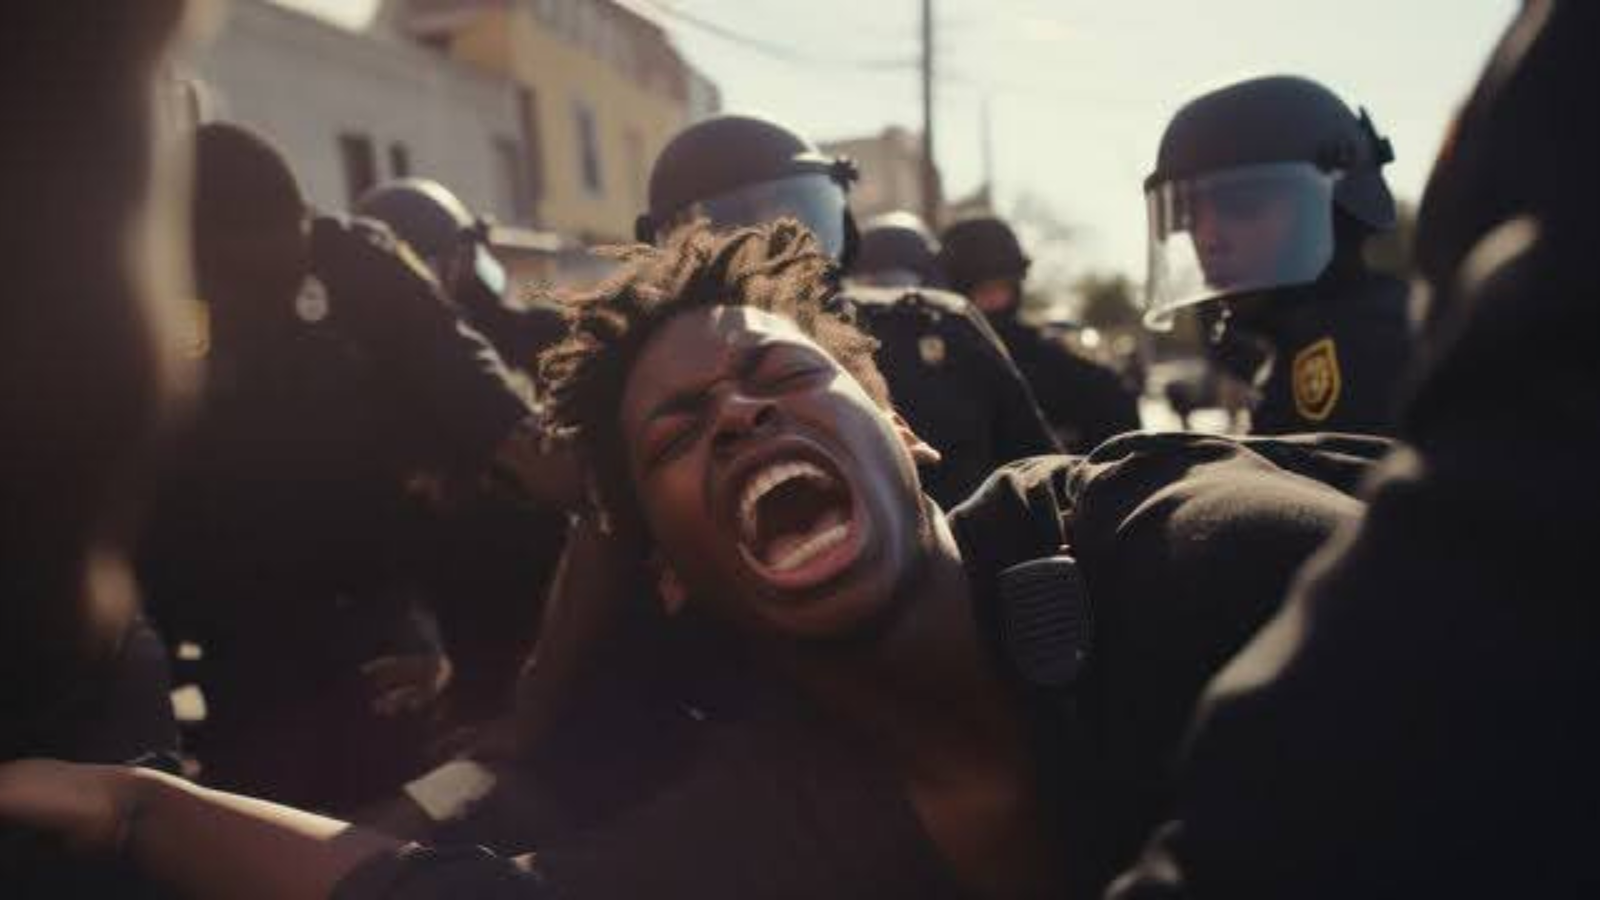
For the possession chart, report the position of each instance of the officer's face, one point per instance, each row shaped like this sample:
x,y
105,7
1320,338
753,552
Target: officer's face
x,y
1239,233
995,297
779,495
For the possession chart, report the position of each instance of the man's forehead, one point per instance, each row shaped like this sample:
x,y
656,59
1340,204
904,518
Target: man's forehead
x,y
713,331
700,341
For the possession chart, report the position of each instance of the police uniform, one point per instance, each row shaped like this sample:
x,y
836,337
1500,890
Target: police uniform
x,y
285,539
951,379
1084,402
1340,354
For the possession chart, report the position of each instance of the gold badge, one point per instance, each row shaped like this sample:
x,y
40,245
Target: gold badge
x,y
1316,380
931,346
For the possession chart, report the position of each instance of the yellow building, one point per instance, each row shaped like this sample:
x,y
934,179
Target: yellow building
x,y
603,90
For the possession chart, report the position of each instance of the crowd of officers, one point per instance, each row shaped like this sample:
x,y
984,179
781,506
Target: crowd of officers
x,y
343,533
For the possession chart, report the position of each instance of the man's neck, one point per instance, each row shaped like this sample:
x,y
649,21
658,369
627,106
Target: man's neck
x,y
925,691
926,695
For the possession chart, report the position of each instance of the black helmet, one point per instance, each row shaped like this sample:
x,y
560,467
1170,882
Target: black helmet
x,y
1277,147
981,249
434,222
897,250
742,170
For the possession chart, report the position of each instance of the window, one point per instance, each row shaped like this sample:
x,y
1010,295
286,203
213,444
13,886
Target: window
x,y
532,151
515,198
399,160
360,166
588,148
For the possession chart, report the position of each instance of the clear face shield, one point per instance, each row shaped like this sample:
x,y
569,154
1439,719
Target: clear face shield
x,y
471,266
814,198
1234,231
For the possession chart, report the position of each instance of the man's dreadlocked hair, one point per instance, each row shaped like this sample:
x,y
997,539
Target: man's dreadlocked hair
x,y
779,268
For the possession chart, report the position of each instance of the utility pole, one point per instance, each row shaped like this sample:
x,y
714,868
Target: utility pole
x,y
930,177
988,154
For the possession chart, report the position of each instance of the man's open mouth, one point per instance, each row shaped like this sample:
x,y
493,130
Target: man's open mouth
x,y
796,522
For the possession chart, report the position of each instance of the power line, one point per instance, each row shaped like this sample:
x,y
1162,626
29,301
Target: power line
x,y
777,51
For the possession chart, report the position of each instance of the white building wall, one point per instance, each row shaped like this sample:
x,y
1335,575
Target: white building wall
x,y
303,83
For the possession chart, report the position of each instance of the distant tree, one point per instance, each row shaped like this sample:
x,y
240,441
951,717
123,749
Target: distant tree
x,y
1047,238
1107,301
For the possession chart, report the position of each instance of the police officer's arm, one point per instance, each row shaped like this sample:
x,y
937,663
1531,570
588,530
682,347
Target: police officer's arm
x,y
1019,427
1091,398
469,402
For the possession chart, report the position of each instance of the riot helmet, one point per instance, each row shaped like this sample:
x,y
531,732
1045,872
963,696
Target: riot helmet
x,y
980,250
735,170
1247,183
897,250
434,222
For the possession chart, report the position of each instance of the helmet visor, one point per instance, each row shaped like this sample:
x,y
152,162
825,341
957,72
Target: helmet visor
x,y
1236,230
488,270
814,198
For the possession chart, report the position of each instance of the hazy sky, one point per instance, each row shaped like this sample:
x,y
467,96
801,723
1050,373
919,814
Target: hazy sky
x,y
1079,89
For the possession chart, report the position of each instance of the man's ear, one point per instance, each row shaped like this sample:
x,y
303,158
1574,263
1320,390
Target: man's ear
x,y
921,451
669,588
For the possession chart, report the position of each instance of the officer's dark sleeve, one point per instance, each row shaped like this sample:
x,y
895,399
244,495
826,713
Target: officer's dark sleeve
x,y
1368,336
1187,544
1019,427
464,392
1087,396
425,873
1418,721
1373,366
518,332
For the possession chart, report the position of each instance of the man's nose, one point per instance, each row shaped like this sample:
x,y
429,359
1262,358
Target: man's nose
x,y
739,418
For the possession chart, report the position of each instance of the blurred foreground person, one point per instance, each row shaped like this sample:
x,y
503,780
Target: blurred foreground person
x,y
1262,200
1419,721
291,528
454,244
950,375
90,376
897,701
1084,402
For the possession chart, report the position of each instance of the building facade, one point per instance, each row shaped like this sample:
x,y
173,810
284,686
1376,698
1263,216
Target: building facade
x,y
350,110
601,87
891,172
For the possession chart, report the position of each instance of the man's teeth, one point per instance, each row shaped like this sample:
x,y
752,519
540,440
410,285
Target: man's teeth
x,y
808,549
767,479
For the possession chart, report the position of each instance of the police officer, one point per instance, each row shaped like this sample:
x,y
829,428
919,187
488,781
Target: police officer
x,y
1083,401
897,250
491,551
1419,720
454,244
286,531
1263,196
949,375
